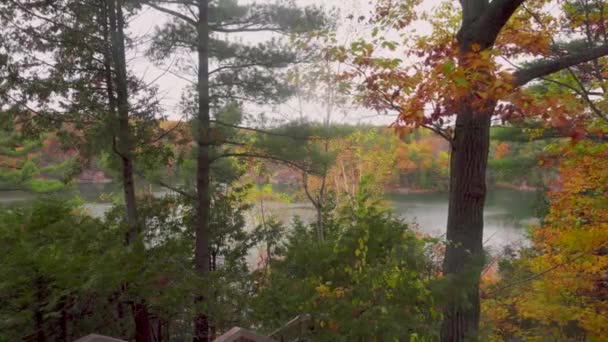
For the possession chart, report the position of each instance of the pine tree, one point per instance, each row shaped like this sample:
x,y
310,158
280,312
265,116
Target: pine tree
x,y
70,75
239,72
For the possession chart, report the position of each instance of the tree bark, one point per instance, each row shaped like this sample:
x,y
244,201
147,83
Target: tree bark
x,y
142,322
41,297
464,253
122,103
64,321
125,147
482,22
201,251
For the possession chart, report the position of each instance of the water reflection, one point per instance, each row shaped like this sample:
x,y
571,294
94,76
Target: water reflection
x,y
507,214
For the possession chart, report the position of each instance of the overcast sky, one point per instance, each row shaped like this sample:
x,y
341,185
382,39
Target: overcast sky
x,y
171,86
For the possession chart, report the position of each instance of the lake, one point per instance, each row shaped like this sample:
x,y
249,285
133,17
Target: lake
x,y
507,213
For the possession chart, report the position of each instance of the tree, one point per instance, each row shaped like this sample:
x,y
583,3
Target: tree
x,y
454,87
118,100
242,72
558,288
319,83
26,165
70,74
54,282
64,268
368,280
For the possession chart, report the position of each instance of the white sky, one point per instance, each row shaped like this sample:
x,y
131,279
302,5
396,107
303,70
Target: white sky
x,y
172,86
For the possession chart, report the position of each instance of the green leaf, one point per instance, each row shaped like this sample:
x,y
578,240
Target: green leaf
x,y
447,67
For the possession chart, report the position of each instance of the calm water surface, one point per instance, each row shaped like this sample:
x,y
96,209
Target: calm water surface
x,y
507,213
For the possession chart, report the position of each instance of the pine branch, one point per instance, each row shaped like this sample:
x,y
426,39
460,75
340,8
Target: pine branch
x,y
50,117
260,156
244,65
246,29
167,186
173,13
263,131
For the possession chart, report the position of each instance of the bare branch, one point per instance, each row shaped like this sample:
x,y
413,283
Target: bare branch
x,y
548,270
586,97
441,132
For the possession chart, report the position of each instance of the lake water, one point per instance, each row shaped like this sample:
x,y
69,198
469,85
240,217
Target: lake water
x,y
507,214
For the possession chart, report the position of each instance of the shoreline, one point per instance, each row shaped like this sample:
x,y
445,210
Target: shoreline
x,y
504,186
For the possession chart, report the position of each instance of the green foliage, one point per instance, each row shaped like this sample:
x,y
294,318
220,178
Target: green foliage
x,y
53,266
24,165
368,280
64,267
515,154
249,72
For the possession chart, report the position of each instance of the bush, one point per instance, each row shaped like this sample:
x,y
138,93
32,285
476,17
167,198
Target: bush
x,y
370,279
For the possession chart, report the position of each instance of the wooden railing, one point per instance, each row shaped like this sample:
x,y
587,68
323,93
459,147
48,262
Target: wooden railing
x,y
98,338
238,334
292,331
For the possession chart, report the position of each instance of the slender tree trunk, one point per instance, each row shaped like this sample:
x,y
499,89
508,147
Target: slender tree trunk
x,y
41,298
268,242
317,202
122,103
63,321
201,251
159,330
464,253
120,314
320,223
40,335
321,199
119,105
142,322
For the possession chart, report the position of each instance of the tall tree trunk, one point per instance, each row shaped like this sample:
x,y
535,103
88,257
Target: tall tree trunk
x,y
125,147
201,250
482,21
464,253
122,102
159,330
41,298
142,322
64,320
469,159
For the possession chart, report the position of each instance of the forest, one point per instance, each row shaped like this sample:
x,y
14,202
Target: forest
x,y
303,170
